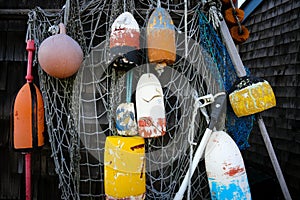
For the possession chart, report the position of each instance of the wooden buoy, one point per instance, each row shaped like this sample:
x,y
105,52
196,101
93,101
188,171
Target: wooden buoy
x,y
250,96
161,43
60,55
225,168
239,36
125,39
125,119
150,107
124,167
28,119
28,112
230,14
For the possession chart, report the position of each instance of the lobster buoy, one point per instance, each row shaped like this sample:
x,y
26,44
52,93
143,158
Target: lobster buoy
x,y
125,38
239,36
230,14
225,168
250,96
161,38
124,167
28,119
59,55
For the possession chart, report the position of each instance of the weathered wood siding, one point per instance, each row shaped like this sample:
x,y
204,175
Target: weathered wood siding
x,y
13,64
273,53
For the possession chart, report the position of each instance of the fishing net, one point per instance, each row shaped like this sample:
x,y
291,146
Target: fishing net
x,y
238,127
80,110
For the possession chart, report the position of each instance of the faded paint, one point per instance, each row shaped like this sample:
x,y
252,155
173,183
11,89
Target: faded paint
x,y
125,31
225,168
125,119
124,167
161,37
235,170
151,128
252,99
234,190
150,107
125,37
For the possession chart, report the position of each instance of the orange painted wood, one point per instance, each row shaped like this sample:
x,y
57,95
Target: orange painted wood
x,y
230,18
238,37
161,38
28,118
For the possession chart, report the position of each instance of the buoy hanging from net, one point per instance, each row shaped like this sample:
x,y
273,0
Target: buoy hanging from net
x,y
161,38
125,40
60,55
124,167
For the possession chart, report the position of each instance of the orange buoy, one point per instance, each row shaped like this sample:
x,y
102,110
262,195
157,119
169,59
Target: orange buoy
x,y
230,16
161,38
28,119
239,36
59,55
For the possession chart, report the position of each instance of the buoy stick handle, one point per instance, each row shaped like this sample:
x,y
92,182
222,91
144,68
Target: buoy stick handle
x,y
217,111
273,158
62,28
30,49
198,155
240,71
231,48
28,175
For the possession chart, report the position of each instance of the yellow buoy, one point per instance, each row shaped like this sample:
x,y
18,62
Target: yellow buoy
x,y
252,99
124,167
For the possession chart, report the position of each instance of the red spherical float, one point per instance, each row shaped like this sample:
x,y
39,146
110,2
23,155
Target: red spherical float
x,y
59,55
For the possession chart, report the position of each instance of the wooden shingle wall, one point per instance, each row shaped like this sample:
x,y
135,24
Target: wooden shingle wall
x,y
273,53
13,64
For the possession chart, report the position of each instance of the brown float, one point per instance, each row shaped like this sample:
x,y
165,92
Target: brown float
x,y
59,55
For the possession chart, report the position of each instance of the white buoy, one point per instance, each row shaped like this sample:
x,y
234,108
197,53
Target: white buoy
x,y
225,168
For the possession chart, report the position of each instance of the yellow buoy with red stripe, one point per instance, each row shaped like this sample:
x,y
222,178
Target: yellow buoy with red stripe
x,y
28,118
124,167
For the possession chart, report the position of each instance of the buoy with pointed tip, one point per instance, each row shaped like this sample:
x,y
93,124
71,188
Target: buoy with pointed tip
x,y
60,55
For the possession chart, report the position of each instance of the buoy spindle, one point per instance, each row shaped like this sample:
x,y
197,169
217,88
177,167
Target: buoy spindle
x,y
30,49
